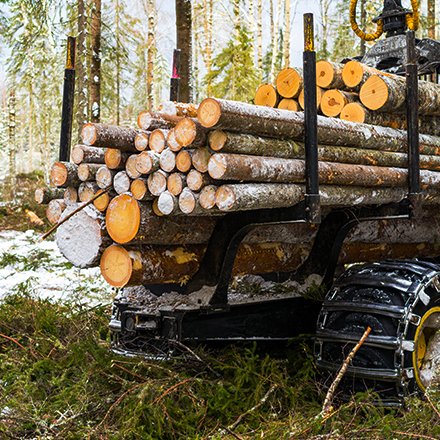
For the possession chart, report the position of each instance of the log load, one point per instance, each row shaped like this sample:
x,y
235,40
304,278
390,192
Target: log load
x,y
86,154
44,195
265,121
329,75
333,101
82,238
109,136
266,95
386,93
242,167
289,82
115,159
130,221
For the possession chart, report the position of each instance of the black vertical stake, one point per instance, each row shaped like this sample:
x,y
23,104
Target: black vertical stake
x,y
175,76
412,119
68,99
312,201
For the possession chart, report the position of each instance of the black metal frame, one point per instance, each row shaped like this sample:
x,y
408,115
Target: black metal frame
x,y
175,76
68,101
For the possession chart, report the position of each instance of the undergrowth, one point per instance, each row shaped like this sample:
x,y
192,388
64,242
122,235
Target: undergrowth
x,y
58,379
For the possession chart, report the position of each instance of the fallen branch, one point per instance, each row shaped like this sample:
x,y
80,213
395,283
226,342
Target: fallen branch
x,y
80,208
255,407
326,408
171,389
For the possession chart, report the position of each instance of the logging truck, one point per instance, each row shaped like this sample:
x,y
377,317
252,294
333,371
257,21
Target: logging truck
x,y
332,175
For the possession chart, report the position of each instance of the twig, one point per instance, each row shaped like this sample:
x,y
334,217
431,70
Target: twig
x,y
18,343
171,389
255,407
229,431
432,405
330,394
80,208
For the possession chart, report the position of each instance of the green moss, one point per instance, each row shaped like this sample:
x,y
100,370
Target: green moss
x,y
58,379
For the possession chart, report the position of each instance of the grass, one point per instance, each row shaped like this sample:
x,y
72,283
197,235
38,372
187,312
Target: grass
x,y
58,379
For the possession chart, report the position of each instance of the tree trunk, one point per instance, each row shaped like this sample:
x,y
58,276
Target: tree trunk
x,y
130,221
118,63
95,66
87,154
432,20
109,136
286,33
241,167
12,145
260,39
151,50
264,121
184,43
82,238
82,81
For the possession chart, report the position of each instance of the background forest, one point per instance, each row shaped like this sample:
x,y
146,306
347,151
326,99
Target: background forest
x,y
124,49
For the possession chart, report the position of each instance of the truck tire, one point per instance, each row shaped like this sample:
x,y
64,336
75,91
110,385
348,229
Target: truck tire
x,y
400,301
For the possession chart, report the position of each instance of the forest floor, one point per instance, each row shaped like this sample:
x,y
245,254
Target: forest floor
x,y
60,380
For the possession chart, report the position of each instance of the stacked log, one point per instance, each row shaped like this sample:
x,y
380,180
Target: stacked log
x,y
159,190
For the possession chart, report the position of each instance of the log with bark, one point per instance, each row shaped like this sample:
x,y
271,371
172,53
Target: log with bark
x,y
329,75
109,136
183,160
103,201
242,167
354,74
319,93
207,197
167,203
141,141
44,195
197,180
167,160
178,108
87,171
64,174
264,121
387,93
157,182
172,143
150,121
87,154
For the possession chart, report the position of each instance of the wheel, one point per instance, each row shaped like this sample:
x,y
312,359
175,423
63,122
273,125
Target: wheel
x,y
400,301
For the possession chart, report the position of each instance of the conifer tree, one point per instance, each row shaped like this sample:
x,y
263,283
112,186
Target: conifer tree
x,y
233,75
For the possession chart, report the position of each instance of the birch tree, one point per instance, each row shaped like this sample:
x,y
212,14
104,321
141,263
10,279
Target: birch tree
x,y
95,65
82,79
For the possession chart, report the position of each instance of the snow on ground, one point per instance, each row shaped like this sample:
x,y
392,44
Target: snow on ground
x,y
29,264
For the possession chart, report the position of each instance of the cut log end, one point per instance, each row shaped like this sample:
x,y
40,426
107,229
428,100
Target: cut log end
x,y
89,134
354,112
70,195
217,139
266,95
116,266
200,159
209,112
104,177
225,198
288,104
114,158
84,173
352,74
59,173
325,74
289,82
194,180
172,143
183,161
54,210
139,189
167,160
185,132
374,93
157,182
167,203
217,166
102,202
131,167
123,218
141,141
157,140
333,101
175,183
207,197
77,154
187,201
